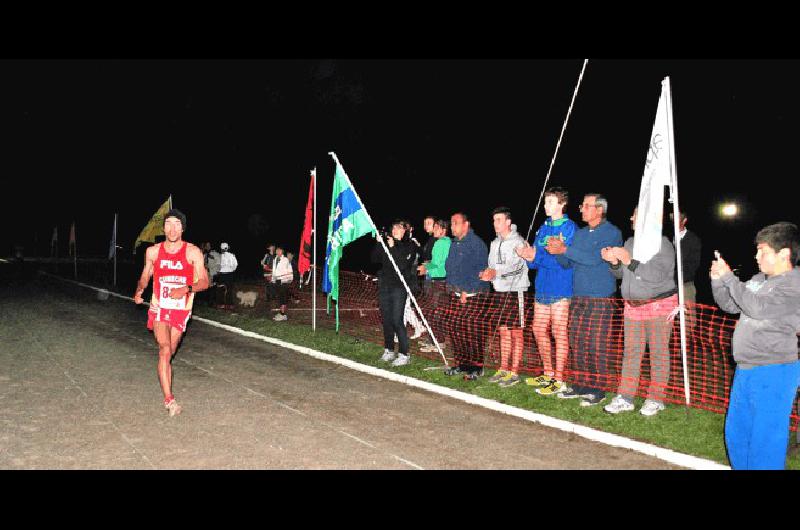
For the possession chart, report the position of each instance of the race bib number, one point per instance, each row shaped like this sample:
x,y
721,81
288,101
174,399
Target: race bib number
x,y
165,302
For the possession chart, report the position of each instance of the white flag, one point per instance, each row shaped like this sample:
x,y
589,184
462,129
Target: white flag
x,y
658,172
112,248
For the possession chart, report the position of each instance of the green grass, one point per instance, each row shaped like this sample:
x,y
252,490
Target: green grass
x,y
686,430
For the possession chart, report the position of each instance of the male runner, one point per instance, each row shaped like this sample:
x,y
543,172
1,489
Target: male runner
x,y
178,272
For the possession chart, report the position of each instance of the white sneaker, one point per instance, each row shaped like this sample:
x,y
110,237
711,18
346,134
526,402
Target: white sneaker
x,y
618,404
279,317
651,407
387,356
401,360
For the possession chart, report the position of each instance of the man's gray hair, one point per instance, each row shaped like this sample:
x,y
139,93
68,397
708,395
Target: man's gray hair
x,y
599,200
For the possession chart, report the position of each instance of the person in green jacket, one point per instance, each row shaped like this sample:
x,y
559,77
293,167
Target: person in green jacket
x,y
435,276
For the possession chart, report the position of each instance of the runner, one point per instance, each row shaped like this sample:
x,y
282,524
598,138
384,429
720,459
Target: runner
x,y
178,272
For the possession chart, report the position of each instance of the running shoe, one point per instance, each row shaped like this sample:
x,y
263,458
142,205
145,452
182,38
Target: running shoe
x,y
498,375
651,407
618,404
511,380
554,387
540,380
173,407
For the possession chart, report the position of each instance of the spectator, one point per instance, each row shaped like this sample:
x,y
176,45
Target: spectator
x,y
691,246
466,259
553,286
281,278
409,313
266,265
764,347
293,263
435,276
650,295
296,275
391,292
591,311
213,260
426,252
225,277
509,275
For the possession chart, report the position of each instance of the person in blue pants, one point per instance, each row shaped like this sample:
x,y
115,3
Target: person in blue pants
x,y
764,347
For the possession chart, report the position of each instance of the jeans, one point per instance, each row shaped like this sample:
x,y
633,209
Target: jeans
x,y
392,302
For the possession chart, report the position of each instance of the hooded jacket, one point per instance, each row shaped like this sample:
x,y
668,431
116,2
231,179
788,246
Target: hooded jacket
x,y
512,273
553,280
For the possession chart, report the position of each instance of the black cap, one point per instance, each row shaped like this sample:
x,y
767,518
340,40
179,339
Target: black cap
x,y
178,215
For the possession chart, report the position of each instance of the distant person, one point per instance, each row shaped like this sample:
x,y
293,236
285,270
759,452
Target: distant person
x,y
296,276
213,264
553,290
410,316
508,273
691,246
651,298
178,272
435,275
225,278
466,259
282,277
426,251
592,309
266,266
391,292
764,347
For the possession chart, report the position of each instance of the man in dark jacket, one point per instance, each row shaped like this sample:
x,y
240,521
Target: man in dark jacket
x,y
391,292
468,304
691,246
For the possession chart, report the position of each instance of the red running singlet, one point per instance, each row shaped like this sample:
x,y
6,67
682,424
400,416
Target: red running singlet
x,y
171,271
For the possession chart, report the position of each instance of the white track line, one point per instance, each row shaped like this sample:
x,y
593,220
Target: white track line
x,y
668,455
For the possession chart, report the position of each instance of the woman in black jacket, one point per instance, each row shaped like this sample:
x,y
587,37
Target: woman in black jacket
x,y
391,292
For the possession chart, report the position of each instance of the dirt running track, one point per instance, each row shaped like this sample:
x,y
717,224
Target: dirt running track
x,y
78,390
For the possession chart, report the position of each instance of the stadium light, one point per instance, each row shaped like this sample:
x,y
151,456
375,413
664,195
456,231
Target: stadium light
x,y
729,210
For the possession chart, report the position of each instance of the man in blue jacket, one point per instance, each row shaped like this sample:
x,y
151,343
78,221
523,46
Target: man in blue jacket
x,y
467,258
592,309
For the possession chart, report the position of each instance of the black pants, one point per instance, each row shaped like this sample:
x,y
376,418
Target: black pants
x,y
282,290
393,303
591,329
436,301
225,293
467,327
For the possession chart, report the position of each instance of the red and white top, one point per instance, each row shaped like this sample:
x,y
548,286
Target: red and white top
x,y
172,271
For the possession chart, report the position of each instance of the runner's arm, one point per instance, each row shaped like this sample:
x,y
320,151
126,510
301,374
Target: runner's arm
x,y
147,273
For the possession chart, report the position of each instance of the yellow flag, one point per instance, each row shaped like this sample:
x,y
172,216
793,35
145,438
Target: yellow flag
x,y
155,226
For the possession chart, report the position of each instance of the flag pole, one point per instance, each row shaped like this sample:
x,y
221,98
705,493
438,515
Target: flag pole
x,y
558,146
115,250
75,247
673,198
391,259
314,267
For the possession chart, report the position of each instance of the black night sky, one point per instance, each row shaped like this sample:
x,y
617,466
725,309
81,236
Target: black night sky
x,y
233,142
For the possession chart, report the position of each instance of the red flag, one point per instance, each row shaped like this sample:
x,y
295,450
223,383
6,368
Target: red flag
x,y
304,260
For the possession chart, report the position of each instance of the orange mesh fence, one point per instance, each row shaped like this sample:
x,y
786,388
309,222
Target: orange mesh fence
x,y
593,342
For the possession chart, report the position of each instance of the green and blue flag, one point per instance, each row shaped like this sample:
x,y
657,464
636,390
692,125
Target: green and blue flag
x,y
347,222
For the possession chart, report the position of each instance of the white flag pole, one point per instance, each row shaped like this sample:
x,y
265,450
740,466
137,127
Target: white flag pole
x,y
115,250
396,269
75,247
673,198
314,266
